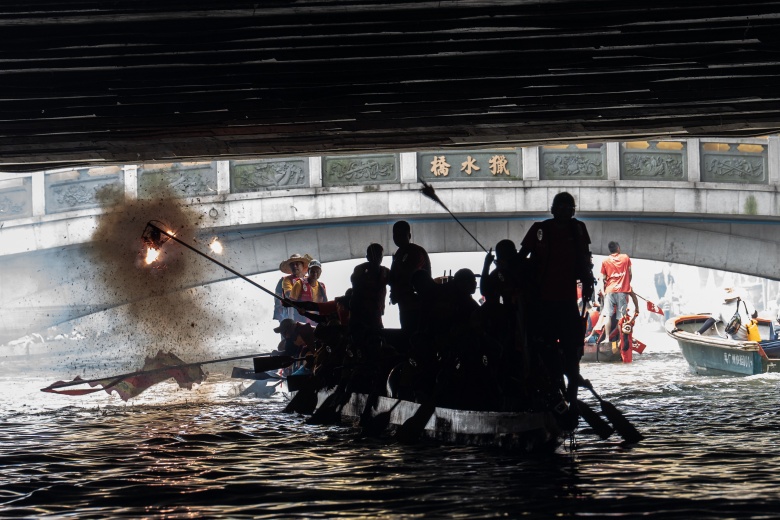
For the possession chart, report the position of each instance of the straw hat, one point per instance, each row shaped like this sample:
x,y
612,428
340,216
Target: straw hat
x,y
304,259
285,326
731,293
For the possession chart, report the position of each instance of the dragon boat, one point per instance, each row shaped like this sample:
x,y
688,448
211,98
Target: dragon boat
x,y
527,431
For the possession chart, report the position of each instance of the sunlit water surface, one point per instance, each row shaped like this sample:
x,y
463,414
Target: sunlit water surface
x,y
711,452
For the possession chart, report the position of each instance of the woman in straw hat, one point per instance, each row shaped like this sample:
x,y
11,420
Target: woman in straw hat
x,y
294,268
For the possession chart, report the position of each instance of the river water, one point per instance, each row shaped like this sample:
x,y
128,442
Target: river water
x,y
711,451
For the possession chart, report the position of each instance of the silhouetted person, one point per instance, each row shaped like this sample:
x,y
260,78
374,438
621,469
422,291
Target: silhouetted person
x,y
503,277
408,259
369,288
560,256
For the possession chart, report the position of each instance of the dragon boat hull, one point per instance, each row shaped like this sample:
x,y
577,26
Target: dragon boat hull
x,y
531,432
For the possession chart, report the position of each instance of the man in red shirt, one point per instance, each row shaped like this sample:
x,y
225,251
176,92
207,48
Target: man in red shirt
x,y
616,271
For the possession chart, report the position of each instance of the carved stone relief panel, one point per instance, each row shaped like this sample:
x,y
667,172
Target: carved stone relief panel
x,y
654,161
573,162
734,162
84,188
181,179
15,198
358,170
272,174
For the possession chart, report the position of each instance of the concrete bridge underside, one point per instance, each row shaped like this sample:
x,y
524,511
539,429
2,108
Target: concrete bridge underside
x,y
63,287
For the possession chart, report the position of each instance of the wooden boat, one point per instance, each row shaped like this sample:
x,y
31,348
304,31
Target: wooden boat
x,y
602,353
608,353
531,432
711,354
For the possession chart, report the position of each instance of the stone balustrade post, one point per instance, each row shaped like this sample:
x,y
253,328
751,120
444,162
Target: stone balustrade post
x,y
530,163
773,159
315,172
38,194
223,177
693,151
131,181
613,161
408,166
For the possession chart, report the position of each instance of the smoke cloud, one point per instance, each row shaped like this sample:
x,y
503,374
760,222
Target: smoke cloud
x,y
164,311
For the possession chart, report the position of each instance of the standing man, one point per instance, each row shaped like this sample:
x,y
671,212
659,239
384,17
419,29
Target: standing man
x,y
560,257
369,287
616,271
408,259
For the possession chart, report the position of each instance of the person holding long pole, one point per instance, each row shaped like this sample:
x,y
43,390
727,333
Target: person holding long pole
x,y
560,256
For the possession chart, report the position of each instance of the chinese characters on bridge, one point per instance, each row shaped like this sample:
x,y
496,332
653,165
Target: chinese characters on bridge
x,y
497,164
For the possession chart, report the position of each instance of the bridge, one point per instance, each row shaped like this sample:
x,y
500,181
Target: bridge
x,y
706,202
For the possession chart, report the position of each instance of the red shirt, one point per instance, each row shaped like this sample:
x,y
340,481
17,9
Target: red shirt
x,y
615,269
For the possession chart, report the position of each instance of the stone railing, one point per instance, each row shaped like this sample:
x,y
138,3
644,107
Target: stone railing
x,y
51,195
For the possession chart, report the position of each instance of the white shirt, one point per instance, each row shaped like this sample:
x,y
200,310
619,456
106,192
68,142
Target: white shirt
x,y
726,310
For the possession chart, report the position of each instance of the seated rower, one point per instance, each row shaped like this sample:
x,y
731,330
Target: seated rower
x,y
297,338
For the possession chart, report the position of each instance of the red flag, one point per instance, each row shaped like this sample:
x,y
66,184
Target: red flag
x,y
132,385
654,308
638,346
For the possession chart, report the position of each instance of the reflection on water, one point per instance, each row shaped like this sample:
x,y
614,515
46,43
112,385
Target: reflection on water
x,y
711,452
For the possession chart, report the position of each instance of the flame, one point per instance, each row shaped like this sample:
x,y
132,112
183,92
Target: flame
x,y
216,246
151,255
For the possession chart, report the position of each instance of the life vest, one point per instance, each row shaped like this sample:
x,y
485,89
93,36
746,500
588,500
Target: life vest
x,y
307,294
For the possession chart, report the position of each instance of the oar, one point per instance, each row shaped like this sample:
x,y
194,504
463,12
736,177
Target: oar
x,y
120,377
305,400
329,412
264,364
429,192
615,416
594,420
413,427
377,424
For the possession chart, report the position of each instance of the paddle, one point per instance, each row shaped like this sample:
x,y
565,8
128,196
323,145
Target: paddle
x,y
329,412
413,427
374,426
411,430
246,373
429,192
304,402
117,378
615,416
594,420
264,364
